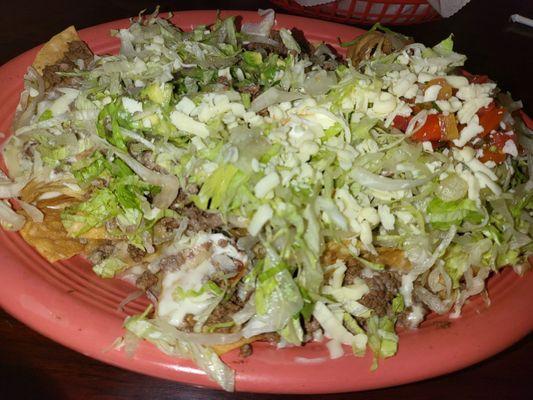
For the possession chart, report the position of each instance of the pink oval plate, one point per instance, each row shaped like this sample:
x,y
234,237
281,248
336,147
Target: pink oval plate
x,y
69,304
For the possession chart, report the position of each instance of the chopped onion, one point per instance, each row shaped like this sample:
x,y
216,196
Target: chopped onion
x,y
247,243
452,188
521,269
10,219
261,39
439,251
415,316
432,301
273,96
169,184
263,27
335,349
260,218
332,211
135,136
10,189
33,212
324,49
28,104
474,285
438,280
335,329
319,82
434,281
378,182
131,343
245,313
205,339
416,122
129,298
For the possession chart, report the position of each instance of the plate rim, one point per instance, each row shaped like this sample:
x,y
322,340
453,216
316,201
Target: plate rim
x,y
183,370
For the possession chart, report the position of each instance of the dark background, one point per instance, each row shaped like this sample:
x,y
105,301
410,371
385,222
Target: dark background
x,y
494,46
33,367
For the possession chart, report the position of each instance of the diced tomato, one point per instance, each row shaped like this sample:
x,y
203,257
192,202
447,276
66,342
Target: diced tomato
x,y
490,118
479,79
493,150
401,123
448,126
445,92
430,131
438,127
499,139
488,155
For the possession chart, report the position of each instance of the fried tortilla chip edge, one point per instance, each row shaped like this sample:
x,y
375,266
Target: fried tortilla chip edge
x,y
55,49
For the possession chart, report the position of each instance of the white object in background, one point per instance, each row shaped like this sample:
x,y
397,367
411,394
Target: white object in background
x,y
311,3
521,20
447,8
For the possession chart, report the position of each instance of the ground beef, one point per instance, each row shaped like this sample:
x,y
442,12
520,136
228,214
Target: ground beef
x,y
146,280
330,65
29,148
271,337
146,158
299,37
188,323
265,49
171,263
101,252
77,50
326,57
200,220
352,272
168,263
252,89
224,311
181,199
135,253
169,223
51,76
164,229
246,350
310,327
197,219
224,81
403,320
383,287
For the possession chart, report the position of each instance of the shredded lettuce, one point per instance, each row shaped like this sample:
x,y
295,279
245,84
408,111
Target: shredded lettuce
x,y
305,165
160,334
220,190
109,267
277,300
382,338
444,214
445,47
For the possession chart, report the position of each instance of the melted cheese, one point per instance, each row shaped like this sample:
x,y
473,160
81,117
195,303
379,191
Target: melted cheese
x,y
193,275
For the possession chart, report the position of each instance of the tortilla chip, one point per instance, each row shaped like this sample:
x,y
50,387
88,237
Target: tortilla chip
x,y
221,349
50,237
393,258
98,233
54,50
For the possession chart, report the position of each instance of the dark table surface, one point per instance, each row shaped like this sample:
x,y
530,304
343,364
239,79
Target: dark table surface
x,y
33,367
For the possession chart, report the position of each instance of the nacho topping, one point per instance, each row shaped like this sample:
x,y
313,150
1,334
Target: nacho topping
x,y
256,186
